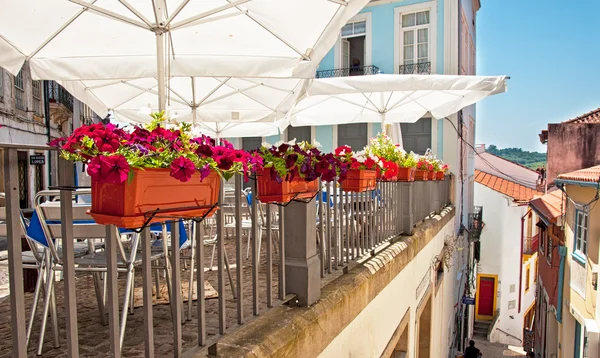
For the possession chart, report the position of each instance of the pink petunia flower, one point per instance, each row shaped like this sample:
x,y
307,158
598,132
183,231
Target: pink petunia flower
x,y
182,169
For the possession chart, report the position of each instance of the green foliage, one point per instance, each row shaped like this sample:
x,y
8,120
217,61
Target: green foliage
x,y
531,160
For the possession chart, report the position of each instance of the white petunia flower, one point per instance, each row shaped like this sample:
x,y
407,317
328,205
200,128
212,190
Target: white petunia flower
x,y
292,142
266,145
316,144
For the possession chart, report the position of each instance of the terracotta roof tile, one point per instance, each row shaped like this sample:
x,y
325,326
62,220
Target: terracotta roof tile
x,y
590,117
591,175
551,205
514,190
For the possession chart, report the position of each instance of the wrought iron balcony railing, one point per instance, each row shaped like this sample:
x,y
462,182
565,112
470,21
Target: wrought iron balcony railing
x,y
421,68
345,72
476,223
60,95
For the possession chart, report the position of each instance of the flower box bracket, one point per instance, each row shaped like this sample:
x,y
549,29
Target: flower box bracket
x,y
151,216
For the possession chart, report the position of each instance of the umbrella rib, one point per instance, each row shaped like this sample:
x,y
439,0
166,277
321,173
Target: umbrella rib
x,y
136,12
213,91
235,91
177,11
267,86
180,96
110,14
399,101
89,88
304,57
339,2
147,90
208,13
193,93
357,105
253,99
57,32
369,100
411,100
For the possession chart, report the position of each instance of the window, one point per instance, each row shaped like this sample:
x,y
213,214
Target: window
x,y
536,272
19,91
543,239
464,45
581,232
300,133
472,58
416,136
415,31
527,274
36,91
352,29
353,134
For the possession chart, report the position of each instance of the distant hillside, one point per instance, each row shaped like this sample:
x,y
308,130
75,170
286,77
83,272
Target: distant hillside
x,y
531,160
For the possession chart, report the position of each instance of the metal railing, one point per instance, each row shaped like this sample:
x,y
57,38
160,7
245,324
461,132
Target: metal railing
x,y
60,95
421,68
345,72
349,227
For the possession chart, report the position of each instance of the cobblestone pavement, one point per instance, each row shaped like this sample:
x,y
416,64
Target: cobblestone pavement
x,y
495,350
93,336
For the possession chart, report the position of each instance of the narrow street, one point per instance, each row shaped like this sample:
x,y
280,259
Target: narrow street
x,y
495,350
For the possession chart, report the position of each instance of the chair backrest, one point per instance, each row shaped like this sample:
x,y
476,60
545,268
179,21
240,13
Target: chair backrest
x,y
84,227
22,226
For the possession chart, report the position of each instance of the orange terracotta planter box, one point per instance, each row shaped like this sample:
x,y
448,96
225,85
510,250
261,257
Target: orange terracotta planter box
x,y
406,174
421,175
440,175
129,204
431,175
270,191
358,181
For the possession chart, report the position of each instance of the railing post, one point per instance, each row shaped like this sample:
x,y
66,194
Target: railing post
x,y
302,264
407,207
15,263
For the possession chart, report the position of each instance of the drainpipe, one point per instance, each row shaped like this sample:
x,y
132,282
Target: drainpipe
x,y
46,85
521,258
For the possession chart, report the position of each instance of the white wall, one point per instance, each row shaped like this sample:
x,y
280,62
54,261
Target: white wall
x,y
504,169
370,332
501,255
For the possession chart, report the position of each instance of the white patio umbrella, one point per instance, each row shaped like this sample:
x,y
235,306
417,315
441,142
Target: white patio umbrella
x,y
390,98
221,107
109,39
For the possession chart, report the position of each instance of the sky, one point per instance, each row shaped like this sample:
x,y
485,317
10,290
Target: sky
x,y
551,51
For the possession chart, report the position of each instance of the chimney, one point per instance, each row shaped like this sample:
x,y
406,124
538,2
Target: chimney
x,y
480,148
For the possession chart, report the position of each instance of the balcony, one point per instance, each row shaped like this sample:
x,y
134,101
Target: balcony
x,y
295,251
61,105
421,68
345,72
531,244
60,96
476,223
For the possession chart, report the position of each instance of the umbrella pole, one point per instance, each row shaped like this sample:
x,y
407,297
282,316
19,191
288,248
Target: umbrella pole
x,y
160,63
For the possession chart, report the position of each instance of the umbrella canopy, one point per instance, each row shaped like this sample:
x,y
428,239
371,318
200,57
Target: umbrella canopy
x,y
192,99
390,98
223,107
125,39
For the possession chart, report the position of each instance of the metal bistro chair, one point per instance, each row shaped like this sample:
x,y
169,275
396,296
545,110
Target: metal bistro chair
x,y
33,259
93,262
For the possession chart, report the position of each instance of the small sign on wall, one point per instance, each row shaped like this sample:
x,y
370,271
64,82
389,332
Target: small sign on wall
x,y
37,159
468,300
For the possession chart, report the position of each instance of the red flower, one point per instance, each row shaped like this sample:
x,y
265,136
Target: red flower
x,y
225,162
355,165
182,169
240,156
106,141
112,169
369,163
343,149
391,169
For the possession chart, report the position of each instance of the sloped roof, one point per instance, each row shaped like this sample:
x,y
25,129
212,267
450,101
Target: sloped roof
x,y
512,189
590,117
550,206
591,175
